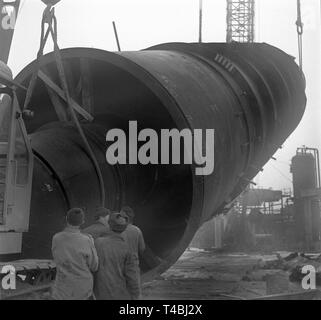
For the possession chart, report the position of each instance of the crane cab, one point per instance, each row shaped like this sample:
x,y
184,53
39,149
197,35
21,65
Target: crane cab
x,y
16,166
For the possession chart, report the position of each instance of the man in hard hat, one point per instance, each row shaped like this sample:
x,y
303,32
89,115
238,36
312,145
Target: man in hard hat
x,y
76,258
101,227
116,278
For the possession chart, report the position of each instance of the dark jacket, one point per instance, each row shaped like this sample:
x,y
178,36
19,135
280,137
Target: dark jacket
x,y
117,275
135,240
97,230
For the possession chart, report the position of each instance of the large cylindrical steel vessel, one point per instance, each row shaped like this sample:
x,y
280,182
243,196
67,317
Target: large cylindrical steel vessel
x,y
253,95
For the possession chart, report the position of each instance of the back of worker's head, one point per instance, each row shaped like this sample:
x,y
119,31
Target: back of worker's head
x,y
129,212
75,217
118,222
102,212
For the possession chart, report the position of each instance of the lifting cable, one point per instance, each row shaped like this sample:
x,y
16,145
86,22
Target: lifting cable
x,y
50,19
299,25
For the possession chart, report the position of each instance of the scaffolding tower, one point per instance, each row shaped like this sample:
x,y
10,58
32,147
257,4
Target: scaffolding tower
x,y
240,21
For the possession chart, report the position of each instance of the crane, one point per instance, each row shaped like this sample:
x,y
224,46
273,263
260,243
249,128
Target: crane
x,y
240,21
16,160
16,164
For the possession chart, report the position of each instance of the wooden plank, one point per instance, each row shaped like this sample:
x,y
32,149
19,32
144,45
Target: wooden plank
x,y
61,94
19,293
60,108
303,295
31,264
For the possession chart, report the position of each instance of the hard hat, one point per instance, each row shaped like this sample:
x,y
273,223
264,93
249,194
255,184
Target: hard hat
x,y
118,222
102,212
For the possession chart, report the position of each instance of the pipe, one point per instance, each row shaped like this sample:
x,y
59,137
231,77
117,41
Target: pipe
x,y
251,94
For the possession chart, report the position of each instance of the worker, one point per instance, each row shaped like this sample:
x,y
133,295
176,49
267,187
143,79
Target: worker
x,y
134,239
101,227
133,235
116,278
76,259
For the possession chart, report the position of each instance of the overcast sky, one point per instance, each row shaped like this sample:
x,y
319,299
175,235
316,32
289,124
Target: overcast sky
x,y
142,23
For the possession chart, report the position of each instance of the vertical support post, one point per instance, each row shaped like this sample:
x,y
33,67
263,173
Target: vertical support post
x,y
308,223
116,36
244,240
200,31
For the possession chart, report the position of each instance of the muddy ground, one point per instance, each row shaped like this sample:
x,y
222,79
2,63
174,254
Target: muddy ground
x,y
208,275
214,276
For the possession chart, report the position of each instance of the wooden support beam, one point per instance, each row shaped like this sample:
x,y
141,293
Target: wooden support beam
x,y
61,94
60,107
116,36
303,295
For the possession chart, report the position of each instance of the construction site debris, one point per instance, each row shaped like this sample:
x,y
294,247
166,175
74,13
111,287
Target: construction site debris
x,y
291,264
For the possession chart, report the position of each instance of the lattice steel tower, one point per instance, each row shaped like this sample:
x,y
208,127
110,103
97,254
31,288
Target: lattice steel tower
x,y
240,21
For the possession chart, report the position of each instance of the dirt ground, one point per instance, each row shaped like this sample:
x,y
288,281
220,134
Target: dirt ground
x,y
211,276
207,275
